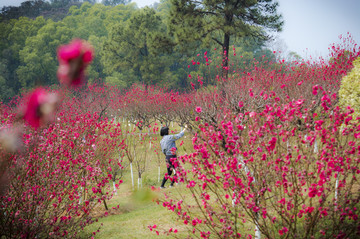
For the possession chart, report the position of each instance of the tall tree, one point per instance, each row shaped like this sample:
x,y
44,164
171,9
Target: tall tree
x,y
218,20
38,56
62,3
54,9
30,8
114,2
13,35
139,48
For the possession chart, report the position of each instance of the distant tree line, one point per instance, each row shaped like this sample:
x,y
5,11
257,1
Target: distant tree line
x,y
151,45
54,9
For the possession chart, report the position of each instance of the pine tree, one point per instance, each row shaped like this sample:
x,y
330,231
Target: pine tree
x,y
217,21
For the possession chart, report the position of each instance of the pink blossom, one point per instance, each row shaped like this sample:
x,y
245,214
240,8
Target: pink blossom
x,y
312,192
271,144
283,231
309,209
251,93
39,107
73,59
198,109
324,213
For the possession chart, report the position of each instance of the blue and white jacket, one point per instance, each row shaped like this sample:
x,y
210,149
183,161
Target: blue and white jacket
x,y
168,142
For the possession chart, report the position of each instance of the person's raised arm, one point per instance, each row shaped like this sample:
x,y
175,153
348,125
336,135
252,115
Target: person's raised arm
x,y
179,135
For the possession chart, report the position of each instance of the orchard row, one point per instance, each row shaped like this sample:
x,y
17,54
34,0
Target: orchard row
x,y
273,147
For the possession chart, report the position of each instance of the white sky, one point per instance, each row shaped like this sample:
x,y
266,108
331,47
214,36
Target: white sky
x,y
316,24
311,26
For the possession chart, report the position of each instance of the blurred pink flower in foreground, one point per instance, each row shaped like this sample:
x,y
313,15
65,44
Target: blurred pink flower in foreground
x,y
39,107
73,59
10,143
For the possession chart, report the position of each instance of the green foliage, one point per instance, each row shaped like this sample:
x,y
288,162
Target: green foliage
x,y
95,70
119,79
13,36
28,46
31,9
114,2
138,47
38,57
22,29
131,45
349,93
54,9
6,92
62,3
164,8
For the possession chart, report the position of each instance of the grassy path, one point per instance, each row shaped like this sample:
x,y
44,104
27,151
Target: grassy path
x,y
136,212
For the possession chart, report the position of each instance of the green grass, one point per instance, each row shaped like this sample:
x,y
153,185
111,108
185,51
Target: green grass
x,y
136,212
137,208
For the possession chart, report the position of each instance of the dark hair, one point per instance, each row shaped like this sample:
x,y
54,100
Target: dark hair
x,y
164,131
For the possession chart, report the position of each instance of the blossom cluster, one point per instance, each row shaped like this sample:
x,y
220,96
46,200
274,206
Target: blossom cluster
x,y
274,154
56,167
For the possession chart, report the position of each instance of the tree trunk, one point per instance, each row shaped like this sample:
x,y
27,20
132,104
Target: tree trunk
x,y
225,65
226,46
132,176
105,204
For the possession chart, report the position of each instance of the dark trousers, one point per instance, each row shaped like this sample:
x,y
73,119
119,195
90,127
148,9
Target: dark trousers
x,y
170,168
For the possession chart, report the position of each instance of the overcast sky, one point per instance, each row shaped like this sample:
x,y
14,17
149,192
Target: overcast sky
x,y
310,25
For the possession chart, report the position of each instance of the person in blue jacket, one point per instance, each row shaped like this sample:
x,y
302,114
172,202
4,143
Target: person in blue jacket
x,y
168,147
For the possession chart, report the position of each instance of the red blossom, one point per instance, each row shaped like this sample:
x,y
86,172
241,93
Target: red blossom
x,y
39,107
73,60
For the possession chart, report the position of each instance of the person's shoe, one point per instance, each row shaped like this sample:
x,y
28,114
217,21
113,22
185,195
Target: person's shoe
x,y
171,186
162,187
